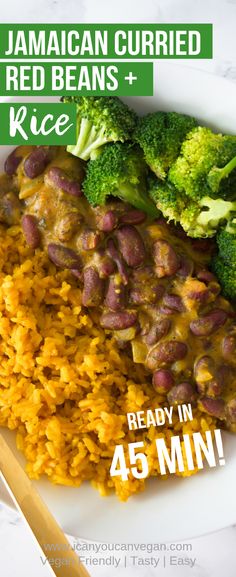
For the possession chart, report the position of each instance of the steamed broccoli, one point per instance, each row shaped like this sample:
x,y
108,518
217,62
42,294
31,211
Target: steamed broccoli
x,y
199,218
160,135
224,264
216,175
100,120
167,199
205,164
120,171
226,274
204,218
226,241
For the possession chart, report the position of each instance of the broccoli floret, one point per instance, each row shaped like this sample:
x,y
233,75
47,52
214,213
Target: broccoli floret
x,y
160,135
226,242
224,264
100,120
216,175
226,275
200,218
204,218
167,199
196,170
119,170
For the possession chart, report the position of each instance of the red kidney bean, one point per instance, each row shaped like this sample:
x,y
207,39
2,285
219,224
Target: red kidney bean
x,y
210,280
201,296
106,267
210,379
204,371
162,381
115,296
10,208
118,320
209,323
145,288
166,354
214,389
222,376
37,161
186,267
231,411
150,292
31,231
174,302
157,331
229,349
206,276
90,239
166,259
131,245
182,393
166,311
198,291
136,296
116,256
57,177
93,288
134,216
158,291
214,407
12,162
77,273
108,221
64,257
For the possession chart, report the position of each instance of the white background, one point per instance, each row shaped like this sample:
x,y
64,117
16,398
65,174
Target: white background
x,y
215,554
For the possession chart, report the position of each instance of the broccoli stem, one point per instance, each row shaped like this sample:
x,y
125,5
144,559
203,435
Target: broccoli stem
x,y
130,194
84,129
216,175
215,211
89,140
227,169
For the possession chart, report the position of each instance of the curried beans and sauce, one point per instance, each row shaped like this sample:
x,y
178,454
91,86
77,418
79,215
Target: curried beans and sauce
x,y
149,282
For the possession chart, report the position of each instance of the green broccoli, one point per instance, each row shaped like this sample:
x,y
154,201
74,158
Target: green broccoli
x,y
216,175
226,241
226,275
167,199
120,171
204,218
200,218
160,135
224,263
100,120
204,165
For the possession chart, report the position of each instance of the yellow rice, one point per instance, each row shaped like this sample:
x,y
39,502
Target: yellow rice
x,y
64,385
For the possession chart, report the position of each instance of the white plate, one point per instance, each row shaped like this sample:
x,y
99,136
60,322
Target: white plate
x,y
177,508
